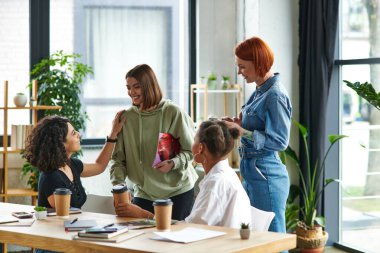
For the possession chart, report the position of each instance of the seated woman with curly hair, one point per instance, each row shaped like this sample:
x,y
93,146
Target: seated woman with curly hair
x,y
50,147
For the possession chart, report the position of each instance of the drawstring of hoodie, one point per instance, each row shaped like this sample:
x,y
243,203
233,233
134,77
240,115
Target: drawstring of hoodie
x,y
140,133
140,137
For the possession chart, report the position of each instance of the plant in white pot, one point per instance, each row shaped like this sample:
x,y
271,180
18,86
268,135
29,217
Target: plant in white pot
x,y
245,231
309,230
20,99
40,212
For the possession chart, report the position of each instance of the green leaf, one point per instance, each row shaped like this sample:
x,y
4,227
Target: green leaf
x,y
302,128
366,91
320,221
334,138
282,156
292,155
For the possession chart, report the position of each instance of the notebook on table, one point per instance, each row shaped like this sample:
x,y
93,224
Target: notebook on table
x,y
78,225
140,224
118,238
103,231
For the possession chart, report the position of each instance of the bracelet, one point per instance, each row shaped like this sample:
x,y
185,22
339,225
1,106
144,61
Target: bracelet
x,y
108,139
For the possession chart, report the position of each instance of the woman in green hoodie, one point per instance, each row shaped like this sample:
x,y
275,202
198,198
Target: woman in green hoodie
x,y
136,147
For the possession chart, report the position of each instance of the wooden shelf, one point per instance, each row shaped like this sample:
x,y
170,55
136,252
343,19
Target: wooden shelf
x,y
20,192
6,150
37,107
217,91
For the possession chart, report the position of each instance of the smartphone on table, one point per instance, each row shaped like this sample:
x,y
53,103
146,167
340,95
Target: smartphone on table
x,y
22,215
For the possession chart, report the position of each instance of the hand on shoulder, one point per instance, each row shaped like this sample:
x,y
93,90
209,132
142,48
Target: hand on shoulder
x,y
117,124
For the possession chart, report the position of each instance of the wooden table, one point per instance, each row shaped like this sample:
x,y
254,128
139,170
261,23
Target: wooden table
x,y
49,234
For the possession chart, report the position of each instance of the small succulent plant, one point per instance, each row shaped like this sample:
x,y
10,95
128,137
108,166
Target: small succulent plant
x,y
244,225
40,208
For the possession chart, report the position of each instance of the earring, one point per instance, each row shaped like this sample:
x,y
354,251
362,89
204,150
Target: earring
x,y
204,158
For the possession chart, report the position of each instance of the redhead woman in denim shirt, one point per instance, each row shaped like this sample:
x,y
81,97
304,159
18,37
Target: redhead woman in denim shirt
x,y
264,123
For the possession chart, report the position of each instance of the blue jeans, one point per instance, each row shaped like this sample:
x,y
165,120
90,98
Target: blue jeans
x,y
266,182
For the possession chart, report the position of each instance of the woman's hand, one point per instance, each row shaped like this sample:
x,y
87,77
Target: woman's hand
x,y
165,166
132,210
236,120
117,124
231,125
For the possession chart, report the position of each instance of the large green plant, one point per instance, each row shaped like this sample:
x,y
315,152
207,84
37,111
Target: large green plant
x,y
60,78
366,91
312,185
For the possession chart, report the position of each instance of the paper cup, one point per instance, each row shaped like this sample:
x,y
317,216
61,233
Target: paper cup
x,y
62,197
163,214
120,194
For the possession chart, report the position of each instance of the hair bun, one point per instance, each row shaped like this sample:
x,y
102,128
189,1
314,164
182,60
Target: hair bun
x,y
234,132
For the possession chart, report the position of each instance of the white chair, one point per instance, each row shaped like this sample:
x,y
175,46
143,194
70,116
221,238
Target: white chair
x,y
99,204
261,219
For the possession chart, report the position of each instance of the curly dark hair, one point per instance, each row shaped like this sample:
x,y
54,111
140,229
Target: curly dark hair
x,y
44,147
218,138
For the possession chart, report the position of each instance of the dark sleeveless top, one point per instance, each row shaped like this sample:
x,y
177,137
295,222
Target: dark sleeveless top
x,y
51,180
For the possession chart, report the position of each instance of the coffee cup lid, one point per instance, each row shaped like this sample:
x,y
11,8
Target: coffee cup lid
x,y
162,202
62,191
119,188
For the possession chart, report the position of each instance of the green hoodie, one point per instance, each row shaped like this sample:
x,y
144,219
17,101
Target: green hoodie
x,y
136,148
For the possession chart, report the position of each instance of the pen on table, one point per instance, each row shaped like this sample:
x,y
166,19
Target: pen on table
x,y
109,225
73,221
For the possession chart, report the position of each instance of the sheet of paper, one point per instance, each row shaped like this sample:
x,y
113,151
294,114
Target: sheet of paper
x,y
187,235
19,223
7,219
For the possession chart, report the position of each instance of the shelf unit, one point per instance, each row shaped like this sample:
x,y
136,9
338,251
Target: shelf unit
x,y
234,89
5,191
202,89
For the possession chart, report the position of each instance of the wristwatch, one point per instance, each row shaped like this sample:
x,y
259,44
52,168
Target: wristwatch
x,y
108,139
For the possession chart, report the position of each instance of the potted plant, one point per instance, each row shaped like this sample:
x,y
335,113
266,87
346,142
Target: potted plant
x,y
309,230
60,78
211,81
244,231
20,99
40,212
225,82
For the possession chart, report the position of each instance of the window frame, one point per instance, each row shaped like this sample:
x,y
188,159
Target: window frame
x,y
334,193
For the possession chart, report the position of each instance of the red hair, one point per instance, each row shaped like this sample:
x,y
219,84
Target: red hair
x,y
257,51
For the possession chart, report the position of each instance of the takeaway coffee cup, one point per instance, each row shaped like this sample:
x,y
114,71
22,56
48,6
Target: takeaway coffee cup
x,y
62,197
120,194
163,213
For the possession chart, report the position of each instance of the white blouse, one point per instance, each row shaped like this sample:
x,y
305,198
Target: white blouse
x,y
222,200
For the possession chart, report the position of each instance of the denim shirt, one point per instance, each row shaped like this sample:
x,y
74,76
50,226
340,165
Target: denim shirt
x,y
268,114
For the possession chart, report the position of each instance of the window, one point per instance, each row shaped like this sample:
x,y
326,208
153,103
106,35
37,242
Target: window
x,y
359,45
14,56
114,36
